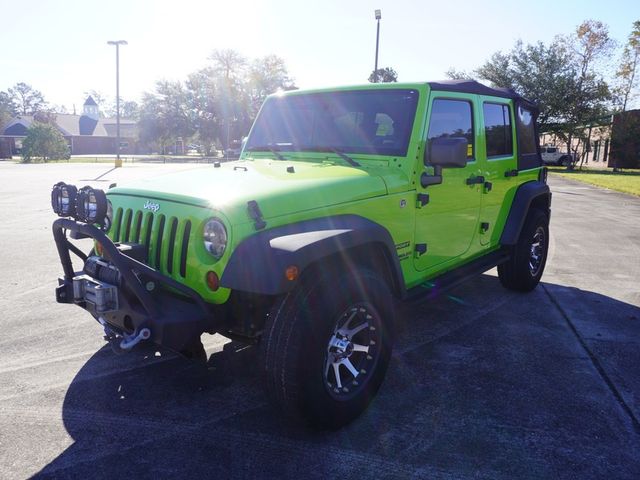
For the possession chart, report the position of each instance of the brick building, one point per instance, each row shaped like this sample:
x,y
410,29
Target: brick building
x,y
86,134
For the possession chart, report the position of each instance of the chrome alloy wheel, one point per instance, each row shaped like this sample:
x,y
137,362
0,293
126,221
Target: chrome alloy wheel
x,y
537,251
352,352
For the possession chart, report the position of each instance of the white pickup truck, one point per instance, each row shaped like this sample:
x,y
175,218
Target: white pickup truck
x,y
552,155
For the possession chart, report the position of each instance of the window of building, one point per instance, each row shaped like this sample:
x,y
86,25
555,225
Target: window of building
x,y
451,119
497,130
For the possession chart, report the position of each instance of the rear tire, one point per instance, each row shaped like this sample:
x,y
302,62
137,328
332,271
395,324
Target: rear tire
x,y
326,346
522,272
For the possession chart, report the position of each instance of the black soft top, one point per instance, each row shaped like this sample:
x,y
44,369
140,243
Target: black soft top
x,y
471,86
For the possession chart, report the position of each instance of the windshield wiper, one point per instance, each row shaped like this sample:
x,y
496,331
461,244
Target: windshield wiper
x,y
270,148
342,155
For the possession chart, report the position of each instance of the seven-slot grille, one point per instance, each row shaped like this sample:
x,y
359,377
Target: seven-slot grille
x,y
166,239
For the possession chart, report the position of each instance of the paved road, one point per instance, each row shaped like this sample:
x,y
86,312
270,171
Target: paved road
x,y
484,383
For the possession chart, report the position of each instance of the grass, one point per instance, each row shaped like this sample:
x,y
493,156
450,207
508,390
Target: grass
x,y
626,182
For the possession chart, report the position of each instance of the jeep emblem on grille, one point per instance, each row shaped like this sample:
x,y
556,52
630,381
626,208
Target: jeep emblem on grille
x,y
154,207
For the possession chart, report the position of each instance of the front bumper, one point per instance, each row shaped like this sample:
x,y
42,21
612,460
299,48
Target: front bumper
x,y
133,298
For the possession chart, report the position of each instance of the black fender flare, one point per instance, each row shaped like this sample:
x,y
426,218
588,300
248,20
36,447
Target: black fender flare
x,y
531,193
258,263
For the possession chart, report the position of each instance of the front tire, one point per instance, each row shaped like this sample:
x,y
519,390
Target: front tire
x,y
326,346
522,272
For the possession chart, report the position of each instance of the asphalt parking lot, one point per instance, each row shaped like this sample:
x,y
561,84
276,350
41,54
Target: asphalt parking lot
x,y
484,383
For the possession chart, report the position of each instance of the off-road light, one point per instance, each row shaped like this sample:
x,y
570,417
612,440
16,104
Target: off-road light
x,y
63,199
215,237
91,205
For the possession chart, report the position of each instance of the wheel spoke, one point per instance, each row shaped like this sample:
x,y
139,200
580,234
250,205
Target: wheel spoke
x,y
336,371
360,348
343,330
326,368
347,363
351,333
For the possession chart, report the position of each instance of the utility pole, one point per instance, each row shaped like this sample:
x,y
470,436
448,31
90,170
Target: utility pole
x,y
117,43
375,69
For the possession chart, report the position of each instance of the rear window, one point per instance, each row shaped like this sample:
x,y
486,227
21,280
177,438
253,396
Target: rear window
x,y
526,132
497,129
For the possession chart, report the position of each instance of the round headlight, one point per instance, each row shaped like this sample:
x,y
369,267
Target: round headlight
x,y
91,205
215,237
63,199
108,219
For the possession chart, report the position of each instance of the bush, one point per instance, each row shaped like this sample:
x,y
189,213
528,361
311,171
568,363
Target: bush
x,y
44,142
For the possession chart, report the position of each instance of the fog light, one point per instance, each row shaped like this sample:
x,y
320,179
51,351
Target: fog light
x,y
291,273
213,282
91,205
63,199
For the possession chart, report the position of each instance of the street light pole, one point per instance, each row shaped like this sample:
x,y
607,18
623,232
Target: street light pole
x,y
375,69
117,43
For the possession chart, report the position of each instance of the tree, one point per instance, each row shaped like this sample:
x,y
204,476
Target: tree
x,y
26,100
383,75
202,95
266,75
228,63
564,78
44,141
7,110
454,74
541,73
165,115
626,74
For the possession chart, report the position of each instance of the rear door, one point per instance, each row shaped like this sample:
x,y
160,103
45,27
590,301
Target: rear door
x,y
497,159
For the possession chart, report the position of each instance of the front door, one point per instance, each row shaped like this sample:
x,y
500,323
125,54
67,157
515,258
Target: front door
x,y
447,224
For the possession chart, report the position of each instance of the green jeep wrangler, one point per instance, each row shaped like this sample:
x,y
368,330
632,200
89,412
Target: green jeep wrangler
x,y
343,202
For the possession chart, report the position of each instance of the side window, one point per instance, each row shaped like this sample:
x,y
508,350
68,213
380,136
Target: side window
x,y
452,118
526,132
497,130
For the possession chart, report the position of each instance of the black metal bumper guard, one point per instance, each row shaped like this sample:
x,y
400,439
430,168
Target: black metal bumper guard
x,y
173,322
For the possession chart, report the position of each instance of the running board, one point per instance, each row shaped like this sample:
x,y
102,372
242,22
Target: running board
x,y
436,286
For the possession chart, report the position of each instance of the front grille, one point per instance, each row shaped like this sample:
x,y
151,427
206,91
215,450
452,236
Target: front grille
x,y
166,239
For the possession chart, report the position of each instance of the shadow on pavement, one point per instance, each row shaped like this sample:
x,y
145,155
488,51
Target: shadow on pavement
x,y
483,383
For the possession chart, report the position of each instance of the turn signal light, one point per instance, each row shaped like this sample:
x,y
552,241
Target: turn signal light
x,y
291,273
213,282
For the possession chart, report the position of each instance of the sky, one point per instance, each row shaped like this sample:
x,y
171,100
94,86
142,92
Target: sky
x,y
60,46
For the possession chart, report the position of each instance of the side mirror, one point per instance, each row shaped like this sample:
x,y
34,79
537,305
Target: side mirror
x,y
443,152
447,152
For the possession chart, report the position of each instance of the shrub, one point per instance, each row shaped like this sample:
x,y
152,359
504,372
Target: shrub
x,y
44,142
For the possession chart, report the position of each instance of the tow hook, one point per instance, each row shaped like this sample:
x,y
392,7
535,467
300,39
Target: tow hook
x,y
128,341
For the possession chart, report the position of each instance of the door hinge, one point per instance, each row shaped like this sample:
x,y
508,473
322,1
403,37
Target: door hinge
x,y
423,199
256,215
420,249
484,227
487,187
511,173
475,180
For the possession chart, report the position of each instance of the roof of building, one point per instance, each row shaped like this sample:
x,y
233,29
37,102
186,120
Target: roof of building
x,y
90,101
77,125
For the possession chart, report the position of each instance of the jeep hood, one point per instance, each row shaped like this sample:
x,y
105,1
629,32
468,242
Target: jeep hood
x,y
279,187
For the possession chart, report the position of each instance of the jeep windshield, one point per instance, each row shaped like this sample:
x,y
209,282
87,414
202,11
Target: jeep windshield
x,y
360,121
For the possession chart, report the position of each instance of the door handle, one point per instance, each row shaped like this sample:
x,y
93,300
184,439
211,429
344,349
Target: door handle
x,y
475,180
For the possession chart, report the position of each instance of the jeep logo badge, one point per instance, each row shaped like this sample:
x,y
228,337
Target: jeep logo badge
x,y
148,205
